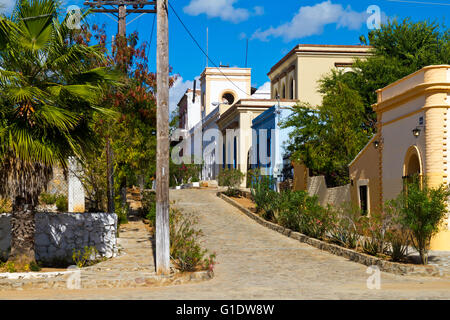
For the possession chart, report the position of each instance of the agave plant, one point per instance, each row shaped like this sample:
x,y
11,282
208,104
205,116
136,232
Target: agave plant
x,y
48,95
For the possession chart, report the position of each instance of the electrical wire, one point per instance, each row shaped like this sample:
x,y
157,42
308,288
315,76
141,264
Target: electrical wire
x,y
203,51
151,34
421,2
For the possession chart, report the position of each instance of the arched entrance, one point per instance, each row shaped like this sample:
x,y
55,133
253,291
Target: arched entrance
x,y
412,165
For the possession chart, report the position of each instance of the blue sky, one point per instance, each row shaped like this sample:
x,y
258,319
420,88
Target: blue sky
x,y
272,27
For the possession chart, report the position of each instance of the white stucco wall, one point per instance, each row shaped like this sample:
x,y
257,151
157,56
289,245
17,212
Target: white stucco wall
x,y
218,86
398,138
193,110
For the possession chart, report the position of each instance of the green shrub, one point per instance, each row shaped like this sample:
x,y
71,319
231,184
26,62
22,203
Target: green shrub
x,y
397,235
185,172
85,257
48,198
291,206
261,187
231,178
373,230
314,219
151,215
122,215
61,203
398,239
34,267
343,225
8,266
422,212
149,206
185,248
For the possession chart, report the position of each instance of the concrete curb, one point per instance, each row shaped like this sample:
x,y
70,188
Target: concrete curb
x,y
365,259
64,279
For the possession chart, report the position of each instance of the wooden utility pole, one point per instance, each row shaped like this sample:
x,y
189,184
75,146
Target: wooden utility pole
x,y
122,20
119,9
162,137
110,176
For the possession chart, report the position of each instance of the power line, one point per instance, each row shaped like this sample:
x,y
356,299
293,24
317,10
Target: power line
x,y
421,2
203,51
151,34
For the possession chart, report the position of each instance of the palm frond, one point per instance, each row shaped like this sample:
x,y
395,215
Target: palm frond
x,y
25,94
85,92
56,118
11,78
35,21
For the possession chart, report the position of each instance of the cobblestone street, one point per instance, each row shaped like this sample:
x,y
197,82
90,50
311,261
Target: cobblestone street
x,y
257,263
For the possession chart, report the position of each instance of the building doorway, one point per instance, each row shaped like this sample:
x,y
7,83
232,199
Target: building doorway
x,y
412,167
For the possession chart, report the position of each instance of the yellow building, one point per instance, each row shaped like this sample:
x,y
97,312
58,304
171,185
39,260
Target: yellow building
x,y
297,74
412,138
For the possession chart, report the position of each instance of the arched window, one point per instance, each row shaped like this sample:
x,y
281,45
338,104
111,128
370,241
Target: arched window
x,y
276,94
283,92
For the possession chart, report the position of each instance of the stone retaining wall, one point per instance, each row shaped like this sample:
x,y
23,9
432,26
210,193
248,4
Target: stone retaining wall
x,y
387,266
57,234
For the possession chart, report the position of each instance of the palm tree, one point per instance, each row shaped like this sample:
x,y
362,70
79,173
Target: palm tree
x,y
48,95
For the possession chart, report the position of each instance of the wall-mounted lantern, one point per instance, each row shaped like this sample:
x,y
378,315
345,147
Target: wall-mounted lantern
x,y
377,143
416,131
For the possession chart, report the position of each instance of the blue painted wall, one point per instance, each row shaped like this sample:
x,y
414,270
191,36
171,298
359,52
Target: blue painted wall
x,y
269,120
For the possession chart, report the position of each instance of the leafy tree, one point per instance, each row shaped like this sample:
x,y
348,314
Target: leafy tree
x,y
423,210
132,131
399,49
327,138
48,96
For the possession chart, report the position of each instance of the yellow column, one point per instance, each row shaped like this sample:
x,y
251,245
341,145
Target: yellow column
x,y
435,137
434,131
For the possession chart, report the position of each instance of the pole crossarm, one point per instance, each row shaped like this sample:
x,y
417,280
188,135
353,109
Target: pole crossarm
x,y
128,11
136,6
121,9
135,3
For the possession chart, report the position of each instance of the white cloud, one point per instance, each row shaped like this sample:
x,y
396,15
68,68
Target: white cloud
x,y
258,10
311,20
223,9
6,6
177,91
265,87
242,36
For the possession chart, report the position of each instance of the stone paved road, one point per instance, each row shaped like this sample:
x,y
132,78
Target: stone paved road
x,y
257,263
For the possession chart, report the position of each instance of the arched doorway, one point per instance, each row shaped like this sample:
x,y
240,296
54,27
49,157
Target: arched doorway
x,y
412,165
